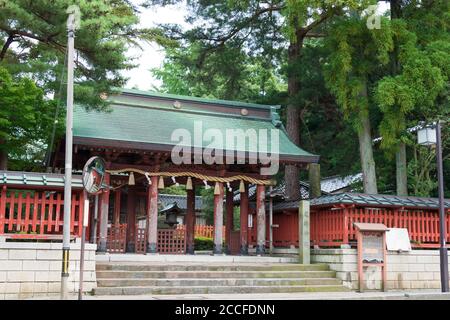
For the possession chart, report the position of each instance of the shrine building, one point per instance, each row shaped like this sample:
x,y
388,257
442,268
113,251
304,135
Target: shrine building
x,y
138,137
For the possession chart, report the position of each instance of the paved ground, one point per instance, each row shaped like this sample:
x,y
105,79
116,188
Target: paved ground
x,y
417,295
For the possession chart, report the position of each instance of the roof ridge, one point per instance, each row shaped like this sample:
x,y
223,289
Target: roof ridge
x,y
163,95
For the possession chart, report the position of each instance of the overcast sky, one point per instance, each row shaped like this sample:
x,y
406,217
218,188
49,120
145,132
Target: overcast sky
x,y
152,55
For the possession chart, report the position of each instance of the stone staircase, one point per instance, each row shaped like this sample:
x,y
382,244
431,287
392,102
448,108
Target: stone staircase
x,y
188,278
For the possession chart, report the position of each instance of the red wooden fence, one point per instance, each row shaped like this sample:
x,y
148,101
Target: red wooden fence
x,y
37,214
203,230
172,241
116,238
333,227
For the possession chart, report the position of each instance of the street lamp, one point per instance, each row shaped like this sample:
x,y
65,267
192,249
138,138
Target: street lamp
x,y
430,135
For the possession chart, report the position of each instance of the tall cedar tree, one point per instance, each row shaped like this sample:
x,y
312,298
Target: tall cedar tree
x,y
260,28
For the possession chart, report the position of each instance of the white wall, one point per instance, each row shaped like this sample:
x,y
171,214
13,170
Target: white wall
x,y
30,269
417,269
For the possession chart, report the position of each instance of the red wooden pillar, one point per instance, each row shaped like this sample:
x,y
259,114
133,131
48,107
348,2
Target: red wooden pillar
x,y
117,195
152,216
218,219
229,226
244,221
131,219
190,221
261,220
104,210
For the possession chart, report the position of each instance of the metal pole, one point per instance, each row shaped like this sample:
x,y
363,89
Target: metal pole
x,y
68,161
442,218
270,220
95,224
83,241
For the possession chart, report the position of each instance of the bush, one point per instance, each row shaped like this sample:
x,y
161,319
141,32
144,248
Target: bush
x,y
203,243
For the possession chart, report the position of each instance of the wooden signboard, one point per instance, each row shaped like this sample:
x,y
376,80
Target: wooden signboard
x,y
371,249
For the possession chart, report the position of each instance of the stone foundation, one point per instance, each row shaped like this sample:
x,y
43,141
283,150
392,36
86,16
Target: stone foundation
x,y
29,269
414,270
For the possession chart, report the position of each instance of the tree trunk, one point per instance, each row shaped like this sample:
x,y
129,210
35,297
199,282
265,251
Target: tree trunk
x,y
400,156
3,157
292,174
3,160
314,181
365,150
400,162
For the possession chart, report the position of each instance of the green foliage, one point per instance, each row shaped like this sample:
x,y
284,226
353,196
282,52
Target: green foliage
x,y
173,189
33,42
422,78
357,52
208,205
38,33
24,116
203,243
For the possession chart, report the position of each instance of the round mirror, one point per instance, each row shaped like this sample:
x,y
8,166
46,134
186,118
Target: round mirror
x,y
93,174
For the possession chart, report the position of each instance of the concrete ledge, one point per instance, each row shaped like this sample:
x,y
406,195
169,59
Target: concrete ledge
x,y
190,258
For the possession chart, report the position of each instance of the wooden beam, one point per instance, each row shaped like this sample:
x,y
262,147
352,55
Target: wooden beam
x,y
218,220
104,210
190,220
152,214
260,220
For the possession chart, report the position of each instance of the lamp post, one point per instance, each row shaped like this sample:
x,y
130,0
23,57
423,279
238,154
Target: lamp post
x,y
430,135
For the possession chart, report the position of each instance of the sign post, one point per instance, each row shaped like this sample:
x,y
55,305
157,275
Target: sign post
x,y
371,250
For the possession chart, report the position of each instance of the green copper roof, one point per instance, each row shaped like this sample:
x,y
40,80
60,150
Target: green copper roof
x,y
367,200
144,119
37,179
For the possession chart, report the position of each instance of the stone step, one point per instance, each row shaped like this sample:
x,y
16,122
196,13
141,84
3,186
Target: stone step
x,y
132,282
133,290
212,274
210,267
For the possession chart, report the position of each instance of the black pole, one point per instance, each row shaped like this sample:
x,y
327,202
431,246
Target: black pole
x,y
442,218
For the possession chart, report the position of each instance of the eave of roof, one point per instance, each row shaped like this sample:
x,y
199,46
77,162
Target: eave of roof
x,y
367,200
36,179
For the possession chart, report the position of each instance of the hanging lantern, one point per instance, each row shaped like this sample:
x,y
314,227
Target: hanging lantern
x,y
189,184
131,181
217,189
242,186
161,183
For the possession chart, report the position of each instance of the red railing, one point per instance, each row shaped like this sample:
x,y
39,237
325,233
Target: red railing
x,y
203,230
333,227
36,214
